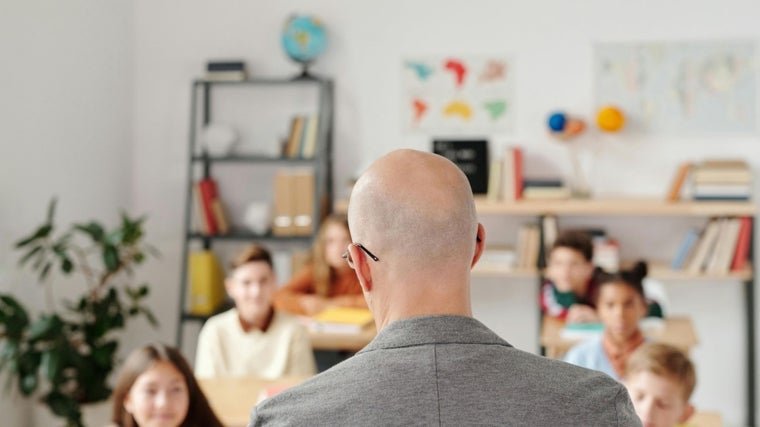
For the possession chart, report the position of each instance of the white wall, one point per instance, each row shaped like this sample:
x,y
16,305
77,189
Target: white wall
x,y
65,109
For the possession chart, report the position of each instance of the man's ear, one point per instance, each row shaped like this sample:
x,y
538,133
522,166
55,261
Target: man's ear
x,y
480,244
361,267
688,411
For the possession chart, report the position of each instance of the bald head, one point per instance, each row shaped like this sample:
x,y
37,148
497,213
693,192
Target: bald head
x,y
416,207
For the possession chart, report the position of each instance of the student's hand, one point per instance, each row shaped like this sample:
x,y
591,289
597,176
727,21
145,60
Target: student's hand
x,y
313,304
580,313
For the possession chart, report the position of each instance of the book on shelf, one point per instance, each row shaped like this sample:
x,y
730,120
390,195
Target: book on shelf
x,y
606,253
704,246
213,215
309,141
544,188
471,156
494,180
226,71
296,134
727,180
528,246
512,174
720,261
685,248
741,252
549,232
674,193
206,283
341,320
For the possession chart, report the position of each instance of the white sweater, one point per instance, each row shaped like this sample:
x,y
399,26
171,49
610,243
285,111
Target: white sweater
x,y
225,350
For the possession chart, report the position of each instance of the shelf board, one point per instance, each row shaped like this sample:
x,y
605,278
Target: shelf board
x,y
618,207
248,235
657,270
261,82
605,207
252,158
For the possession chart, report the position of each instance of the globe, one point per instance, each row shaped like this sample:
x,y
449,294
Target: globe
x,y
304,40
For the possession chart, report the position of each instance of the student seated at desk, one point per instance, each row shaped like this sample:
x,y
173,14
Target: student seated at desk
x,y
571,288
156,387
620,306
253,339
572,282
660,379
327,281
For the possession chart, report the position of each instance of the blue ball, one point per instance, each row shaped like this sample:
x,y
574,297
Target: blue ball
x,y
557,122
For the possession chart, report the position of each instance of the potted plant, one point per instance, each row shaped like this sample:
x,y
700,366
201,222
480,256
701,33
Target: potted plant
x,y
65,354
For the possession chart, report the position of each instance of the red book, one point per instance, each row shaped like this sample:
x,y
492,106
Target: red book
x,y
207,190
741,253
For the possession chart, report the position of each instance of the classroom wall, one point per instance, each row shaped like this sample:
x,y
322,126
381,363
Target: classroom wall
x,y
96,105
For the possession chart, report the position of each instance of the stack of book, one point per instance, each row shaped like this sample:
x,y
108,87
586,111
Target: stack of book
x,y
606,253
302,138
722,180
543,189
497,258
341,320
226,71
721,246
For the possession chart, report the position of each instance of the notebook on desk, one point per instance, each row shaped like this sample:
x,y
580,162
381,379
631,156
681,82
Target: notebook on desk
x,y
341,320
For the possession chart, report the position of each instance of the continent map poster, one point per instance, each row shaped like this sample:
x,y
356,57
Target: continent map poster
x,y
458,94
680,87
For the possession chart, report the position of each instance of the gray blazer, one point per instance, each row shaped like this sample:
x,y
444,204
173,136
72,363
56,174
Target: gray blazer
x,y
453,371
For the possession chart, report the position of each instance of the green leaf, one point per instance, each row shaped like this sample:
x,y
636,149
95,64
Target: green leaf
x,y
93,229
66,265
41,232
111,257
64,406
51,363
139,257
149,316
15,317
45,270
28,383
103,355
46,328
35,250
51,210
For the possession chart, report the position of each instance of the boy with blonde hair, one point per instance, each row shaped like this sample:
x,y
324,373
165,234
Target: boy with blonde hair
x,y
660,379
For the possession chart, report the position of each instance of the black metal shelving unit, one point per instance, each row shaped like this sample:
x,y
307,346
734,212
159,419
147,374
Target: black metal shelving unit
x,y
321,162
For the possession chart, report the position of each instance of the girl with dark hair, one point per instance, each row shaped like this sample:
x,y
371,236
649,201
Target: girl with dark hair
x,y
620,305
156,388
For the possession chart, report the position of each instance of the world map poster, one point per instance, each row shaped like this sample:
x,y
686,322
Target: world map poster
x,y
680,88
458,94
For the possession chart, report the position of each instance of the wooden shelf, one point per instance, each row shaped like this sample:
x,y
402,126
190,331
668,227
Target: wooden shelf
x,y
657,270
605,207
619,207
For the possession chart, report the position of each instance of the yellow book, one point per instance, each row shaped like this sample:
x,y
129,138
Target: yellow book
x,y
341,320
206,283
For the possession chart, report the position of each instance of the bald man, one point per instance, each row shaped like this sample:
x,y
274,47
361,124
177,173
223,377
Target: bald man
x,y
417,237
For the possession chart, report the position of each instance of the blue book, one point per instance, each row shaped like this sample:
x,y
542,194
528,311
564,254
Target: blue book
x,y
688,243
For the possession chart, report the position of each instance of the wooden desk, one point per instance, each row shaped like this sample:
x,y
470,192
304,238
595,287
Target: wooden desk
x,y
677,331
233,398
347,342
704,419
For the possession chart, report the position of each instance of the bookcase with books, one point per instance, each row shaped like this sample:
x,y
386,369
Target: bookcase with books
x,y
296,159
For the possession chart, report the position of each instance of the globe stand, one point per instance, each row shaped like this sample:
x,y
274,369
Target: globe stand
x,y
305,75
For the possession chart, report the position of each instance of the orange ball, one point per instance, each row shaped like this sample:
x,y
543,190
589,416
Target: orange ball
x,y
575,127
610,119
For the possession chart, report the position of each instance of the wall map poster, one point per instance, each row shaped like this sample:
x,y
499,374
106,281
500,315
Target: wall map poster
x,y
458,94
687,87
